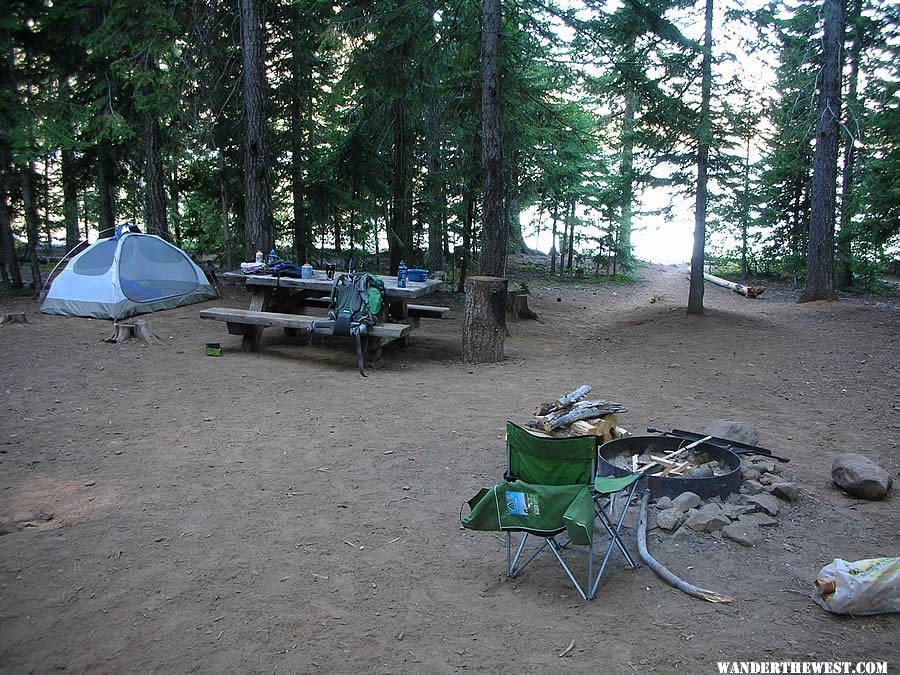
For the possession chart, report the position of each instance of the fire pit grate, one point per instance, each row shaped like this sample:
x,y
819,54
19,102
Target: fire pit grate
x,y
706,470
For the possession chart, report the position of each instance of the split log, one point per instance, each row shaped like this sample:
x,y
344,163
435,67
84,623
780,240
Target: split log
x,y
13,317
661,571
825,586
484,328
563,401
747,291
582,411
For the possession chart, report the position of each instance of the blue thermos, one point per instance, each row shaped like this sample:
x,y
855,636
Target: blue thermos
x,y
402,274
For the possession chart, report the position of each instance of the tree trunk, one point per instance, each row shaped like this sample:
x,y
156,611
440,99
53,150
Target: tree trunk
x,y
224,201
434,188
400,239
12,273
554,217
175,204
844,277
31,224
107,192
467,234
704,133
157,222
258,227
494,234
745,211
300,136
626,171
70,199
820,256
484,329
514,207
571,235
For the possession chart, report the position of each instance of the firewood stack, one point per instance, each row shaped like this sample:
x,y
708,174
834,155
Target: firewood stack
x,y
571,415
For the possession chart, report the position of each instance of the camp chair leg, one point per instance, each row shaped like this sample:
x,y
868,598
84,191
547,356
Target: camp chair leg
x,y
615,540
555,547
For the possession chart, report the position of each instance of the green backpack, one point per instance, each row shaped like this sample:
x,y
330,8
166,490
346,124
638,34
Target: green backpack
x,y
357,303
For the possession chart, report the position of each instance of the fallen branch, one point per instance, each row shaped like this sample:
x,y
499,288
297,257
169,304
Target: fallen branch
x,y
747,291
661,571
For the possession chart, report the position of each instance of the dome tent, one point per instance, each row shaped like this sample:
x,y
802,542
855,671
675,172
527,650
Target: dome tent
x,y
130,273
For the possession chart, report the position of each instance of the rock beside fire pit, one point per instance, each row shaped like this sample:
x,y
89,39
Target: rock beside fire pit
x,y
860,476
744,532
741,517
709,518
686,501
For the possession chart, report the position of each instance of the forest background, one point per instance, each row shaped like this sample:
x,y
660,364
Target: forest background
x,y
350,126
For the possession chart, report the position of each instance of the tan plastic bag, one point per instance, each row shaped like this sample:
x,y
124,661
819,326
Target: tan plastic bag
x,y
859,588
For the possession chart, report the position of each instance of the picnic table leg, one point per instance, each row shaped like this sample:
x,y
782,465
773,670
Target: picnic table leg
x,y
374,351
259,302
399,312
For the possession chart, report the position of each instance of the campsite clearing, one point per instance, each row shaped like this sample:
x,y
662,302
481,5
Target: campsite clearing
x,y
274,510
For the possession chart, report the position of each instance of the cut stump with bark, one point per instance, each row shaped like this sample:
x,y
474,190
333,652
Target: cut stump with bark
x,y
13,317
137,330
517,304
484,329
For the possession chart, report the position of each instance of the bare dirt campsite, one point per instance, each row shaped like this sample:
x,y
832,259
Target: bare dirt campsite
x,y
275,511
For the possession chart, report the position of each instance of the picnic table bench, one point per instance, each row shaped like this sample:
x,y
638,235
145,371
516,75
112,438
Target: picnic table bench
x,y
281,302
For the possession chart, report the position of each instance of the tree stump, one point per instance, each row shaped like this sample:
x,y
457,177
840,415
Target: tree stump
x,y
517,304
13,317
484,328
137,330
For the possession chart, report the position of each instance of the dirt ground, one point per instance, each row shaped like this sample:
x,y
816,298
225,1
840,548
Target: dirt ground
x,y
277,512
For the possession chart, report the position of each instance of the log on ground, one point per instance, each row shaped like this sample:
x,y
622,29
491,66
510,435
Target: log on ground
x,y
747,291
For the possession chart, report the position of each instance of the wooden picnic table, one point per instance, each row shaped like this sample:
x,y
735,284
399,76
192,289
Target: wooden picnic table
x,y
280,301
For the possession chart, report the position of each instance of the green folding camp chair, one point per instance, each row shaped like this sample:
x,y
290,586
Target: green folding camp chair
x,y
550,487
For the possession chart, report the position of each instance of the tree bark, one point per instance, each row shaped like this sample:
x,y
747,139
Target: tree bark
x,y
107,192
484,329
745,212
820,255
554,217
31,224
300,135
259,232
157,221
400,239
704,132
494,235
70,199
434,191
571,236
844,270
7,241
175,203
626,171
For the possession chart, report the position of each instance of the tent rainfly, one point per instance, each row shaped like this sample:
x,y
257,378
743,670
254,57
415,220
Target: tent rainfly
x,y
130,273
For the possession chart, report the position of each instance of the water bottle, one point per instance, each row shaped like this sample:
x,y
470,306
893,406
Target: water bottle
x,y
401,275
273,257
259,256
